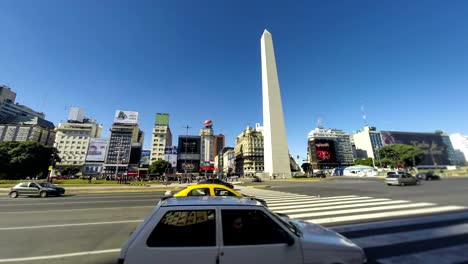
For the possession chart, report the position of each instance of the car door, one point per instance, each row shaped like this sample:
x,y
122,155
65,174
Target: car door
x,y
179,236
33,189
253,236
22,189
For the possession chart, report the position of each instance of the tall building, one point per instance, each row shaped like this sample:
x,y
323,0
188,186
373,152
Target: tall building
x,y
249,152
452,156
367,142
28,128
460,144
219,143
188,158
161,137
329,148
207,145
276,150
72,140
9,109
222,161
125,145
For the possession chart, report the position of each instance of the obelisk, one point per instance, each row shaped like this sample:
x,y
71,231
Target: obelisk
x,y
276,152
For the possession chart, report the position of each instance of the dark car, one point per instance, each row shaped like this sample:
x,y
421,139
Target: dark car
x,y
320,174
42,189
217,181
428,176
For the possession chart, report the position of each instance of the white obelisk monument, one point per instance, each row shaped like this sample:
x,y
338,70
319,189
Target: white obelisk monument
x,y
276,152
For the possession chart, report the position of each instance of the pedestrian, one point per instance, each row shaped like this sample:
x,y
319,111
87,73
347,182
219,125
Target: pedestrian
x,y
89,179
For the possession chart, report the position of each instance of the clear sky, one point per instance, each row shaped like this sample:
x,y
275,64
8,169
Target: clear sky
x,y
406,62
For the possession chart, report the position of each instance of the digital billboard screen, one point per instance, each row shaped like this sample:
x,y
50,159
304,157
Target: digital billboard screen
x,y
126,117
323,153
189,145
145,157
431,143
97,149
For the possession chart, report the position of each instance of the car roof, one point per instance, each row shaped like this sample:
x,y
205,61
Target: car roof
x,y
207,185
210,201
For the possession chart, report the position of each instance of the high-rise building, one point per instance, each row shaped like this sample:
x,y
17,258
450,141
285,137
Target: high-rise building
x,y
219,143
28,128
329,148
125,145
9,109
452,156
460,144
367,142
188,158
161,137
249,152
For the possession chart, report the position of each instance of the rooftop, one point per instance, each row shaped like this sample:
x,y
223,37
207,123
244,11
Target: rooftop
x,y
210,201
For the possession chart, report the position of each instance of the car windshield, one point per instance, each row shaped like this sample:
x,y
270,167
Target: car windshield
x,y
288,224
46,184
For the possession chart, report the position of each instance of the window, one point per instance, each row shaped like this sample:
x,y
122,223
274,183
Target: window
x,y
250,227
196,227
199,192
24,184
33,185
223,192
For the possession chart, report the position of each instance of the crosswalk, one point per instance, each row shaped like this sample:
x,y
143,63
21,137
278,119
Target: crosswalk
x,y
435,233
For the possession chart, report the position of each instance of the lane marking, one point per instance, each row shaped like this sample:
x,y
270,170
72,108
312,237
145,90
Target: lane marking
x,y
316,204
307,198
317,201
69,225
443,255
385,214
360,210
339,206
90,202
83,253
411,236
73,210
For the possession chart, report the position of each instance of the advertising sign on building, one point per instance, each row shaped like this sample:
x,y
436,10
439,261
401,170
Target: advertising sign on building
x,y
162,119
97,149
145,157
126,117
170,155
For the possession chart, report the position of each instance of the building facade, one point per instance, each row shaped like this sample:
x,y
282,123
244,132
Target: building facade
x,y
27,128
188,157
219,143
161,137
249,152
367,142
329,148
452,156
10,109
460,145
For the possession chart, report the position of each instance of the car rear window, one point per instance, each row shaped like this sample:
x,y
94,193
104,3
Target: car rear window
x,y
392,176
185,228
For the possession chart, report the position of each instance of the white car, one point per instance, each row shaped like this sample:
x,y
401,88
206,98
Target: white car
x,y
230,230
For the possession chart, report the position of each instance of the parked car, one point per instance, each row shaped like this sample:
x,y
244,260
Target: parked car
x,y
230,230
320,174
256,179
428,176
42,189
401,178
216,181
210,190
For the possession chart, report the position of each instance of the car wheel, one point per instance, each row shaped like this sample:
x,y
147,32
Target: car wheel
x,y
389,184
43,194
13,194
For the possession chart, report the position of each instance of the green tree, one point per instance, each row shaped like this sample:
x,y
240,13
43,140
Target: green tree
x,y
365,162
159,167
399,153
21,159
306,167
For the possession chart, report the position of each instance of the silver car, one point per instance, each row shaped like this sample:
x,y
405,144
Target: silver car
x,y
401,179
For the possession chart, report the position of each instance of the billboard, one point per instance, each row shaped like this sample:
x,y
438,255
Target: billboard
x,y
145,157
126,117
323,154
189,145
170,150
162,119
97,149
431,143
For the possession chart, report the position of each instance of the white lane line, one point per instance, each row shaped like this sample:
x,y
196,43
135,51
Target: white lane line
x,y
90,202
400,222
324,203
73,210
340,206
360,210
316,201
69,225
411,236
307,198
439,209
77,254
284,197
313,197
456,254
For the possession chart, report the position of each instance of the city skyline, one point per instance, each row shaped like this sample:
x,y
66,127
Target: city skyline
x,y
329,67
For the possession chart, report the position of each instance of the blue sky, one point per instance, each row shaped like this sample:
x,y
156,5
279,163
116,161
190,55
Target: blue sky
x,y
405,61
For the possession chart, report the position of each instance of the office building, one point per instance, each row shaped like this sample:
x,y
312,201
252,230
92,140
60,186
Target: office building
x,y
451,154
224,161
329,148
249,152
367,141
188,158
28,128
460,145
219,143
207,145
10,109
125,145
161,137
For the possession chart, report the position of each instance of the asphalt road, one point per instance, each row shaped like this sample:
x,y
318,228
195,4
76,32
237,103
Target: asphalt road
x,y
38,228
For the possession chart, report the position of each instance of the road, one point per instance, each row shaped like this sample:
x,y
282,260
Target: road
x,y
91,228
